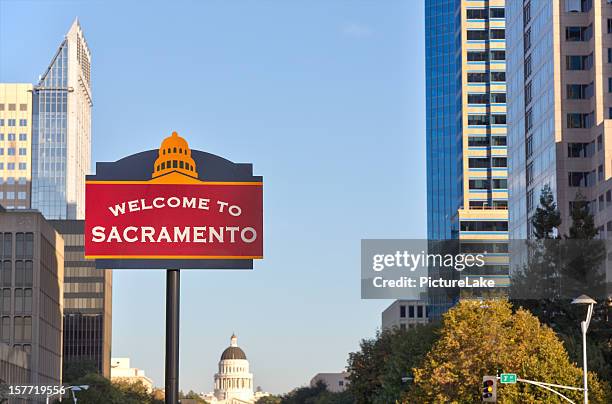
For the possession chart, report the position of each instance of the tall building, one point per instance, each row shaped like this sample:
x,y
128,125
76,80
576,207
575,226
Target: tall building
x,y
15,144
467,178
87,303
61,139
31,253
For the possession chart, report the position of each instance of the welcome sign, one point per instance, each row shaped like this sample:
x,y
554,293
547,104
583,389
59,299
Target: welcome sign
x,y
174,208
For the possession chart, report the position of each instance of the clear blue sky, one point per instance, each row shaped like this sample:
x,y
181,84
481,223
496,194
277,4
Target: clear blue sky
x,y
327,100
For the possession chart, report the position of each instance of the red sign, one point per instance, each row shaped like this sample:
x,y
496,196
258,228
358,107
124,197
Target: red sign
x,y
156,220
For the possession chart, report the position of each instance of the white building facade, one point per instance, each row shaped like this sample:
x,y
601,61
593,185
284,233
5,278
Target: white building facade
x,y
121,371
234,381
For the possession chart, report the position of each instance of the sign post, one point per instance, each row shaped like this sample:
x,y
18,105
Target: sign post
x,y
172,209
173,301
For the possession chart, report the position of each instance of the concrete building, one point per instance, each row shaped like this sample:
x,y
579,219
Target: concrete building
x,y
15,144
121,371
560,109
335,382
405,314
467,179
14,365
61,138
87,302
31,275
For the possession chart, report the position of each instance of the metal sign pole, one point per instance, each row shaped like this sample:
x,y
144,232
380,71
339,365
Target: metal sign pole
x,y
173,297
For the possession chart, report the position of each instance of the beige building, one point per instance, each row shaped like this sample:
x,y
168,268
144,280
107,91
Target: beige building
x,y
15,144
31,274
120,370
559,109
405,314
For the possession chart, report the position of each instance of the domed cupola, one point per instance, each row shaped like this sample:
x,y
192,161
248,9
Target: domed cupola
x,y
233,351
174,156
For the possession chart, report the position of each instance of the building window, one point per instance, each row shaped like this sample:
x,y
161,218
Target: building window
x,y
498,76
498,98
529,173
600,175
498,119
579,91
11,122
528,120
497,12
527,67
5,333
527,93
477,35
477,98
498,34
420,311
402,311
577,150
578,34
477,56
22,166
478,120
5,301
477,77
579,62
11,137
599,143
578,6
23,151
609,26
581,179
410,311
527,40
476,14
500,161
479,225
23,122
23,137
23,107
479,184
579,120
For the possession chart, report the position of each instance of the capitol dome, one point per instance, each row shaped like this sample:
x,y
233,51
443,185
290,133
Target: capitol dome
x,y
174,156
233,352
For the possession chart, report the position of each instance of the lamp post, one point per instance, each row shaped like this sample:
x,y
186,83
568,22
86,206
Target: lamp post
x,y
584,326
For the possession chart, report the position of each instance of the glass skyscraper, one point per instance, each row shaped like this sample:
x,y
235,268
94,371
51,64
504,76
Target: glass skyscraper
x,y
467,177
61,135
443,90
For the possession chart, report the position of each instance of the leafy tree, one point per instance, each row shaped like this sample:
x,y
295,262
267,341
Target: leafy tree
x,y
73,370
304,395
484,338
376,371
547,217
269,400
103,391
192,395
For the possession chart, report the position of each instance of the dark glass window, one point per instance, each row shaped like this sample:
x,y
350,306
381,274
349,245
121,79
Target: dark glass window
x,y
498,98
579,62
498,34
477,56
500,161
497,12
499,141
498,119
420,311
500,183
498,76
578,34
481,225
476,14
478,162
402,311
478,141
498,55
477,77
410,311
477,35
478,98
478,119
479,184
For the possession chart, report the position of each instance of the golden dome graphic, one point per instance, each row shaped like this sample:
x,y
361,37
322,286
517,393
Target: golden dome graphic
x,y
174,156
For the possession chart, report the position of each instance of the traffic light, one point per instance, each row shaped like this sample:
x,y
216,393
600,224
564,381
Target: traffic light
x,y
489,389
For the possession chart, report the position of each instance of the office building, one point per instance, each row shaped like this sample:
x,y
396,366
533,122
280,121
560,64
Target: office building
x,y
467,179
405,314
87,303
31,274
61,138
122,372
15,144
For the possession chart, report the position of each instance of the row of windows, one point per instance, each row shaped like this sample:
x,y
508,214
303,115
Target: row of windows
x,y
13,181
477,225
579,62
579,91
13,107
481,13
497,183
23,301
11,195
12,137
576,150
24,246
13,122
10,151
420,311
22,329
24,274
499,204
477,56
175,164
13,166
483,35
484,141
484,162
485,77
493,98
580,120
493,119
579,34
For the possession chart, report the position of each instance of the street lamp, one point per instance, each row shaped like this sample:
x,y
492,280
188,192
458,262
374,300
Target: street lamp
x,y
77,388
584,326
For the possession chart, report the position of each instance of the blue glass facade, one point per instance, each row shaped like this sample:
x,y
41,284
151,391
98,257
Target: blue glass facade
x,y
49,139
443,92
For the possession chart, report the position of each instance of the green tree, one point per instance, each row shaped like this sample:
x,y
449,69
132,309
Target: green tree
x,y
269,400
481,338
377,369
73,370
103,391
547,217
